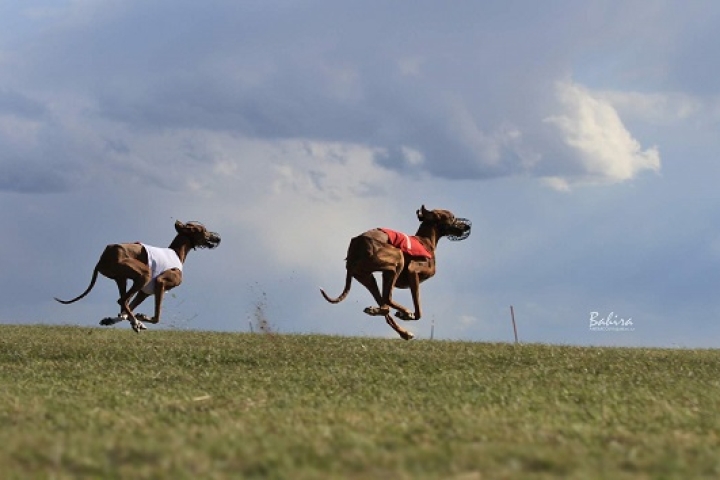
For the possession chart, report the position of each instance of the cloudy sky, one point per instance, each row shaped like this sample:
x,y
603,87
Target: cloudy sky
x,y
581,139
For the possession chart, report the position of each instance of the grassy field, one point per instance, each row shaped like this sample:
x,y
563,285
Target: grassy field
x,y
108,403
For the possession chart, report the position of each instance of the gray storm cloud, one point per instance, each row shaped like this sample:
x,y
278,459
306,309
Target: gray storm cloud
x,y
421,109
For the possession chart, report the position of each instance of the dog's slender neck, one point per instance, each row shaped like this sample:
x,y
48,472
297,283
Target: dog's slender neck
x,y
427,233
182,245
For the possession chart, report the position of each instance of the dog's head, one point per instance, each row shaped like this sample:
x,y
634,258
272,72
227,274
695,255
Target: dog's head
x,y
198,234
447,224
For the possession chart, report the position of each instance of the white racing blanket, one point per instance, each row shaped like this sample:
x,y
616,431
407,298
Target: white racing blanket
x,y
160,260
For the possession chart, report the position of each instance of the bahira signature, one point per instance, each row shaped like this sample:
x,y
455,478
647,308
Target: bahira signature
x,y
610,323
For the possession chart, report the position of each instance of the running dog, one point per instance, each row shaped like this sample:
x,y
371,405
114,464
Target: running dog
x,y
152,271
403,261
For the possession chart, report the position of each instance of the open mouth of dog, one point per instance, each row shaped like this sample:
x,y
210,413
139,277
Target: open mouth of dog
x,y
460,229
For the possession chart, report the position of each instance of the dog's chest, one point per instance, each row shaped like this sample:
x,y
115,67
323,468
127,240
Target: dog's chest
x,y
160,260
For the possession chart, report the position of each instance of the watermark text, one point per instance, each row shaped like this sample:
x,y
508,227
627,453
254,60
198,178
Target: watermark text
x,y
610,323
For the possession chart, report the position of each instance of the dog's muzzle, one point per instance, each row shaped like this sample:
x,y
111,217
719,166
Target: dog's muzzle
x,y
461,229
212,240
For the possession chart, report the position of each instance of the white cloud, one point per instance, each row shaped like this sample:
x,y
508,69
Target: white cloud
x,y
601,148
663,108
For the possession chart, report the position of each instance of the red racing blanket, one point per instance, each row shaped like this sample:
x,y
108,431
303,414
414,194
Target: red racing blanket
x,y
407,243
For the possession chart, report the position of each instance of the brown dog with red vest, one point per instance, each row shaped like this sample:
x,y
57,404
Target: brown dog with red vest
x,y
403,261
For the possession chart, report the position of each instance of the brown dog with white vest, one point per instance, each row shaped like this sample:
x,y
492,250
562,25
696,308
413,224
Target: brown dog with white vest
x,y
152,270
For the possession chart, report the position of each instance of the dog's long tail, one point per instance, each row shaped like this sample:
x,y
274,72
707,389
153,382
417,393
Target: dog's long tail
x,y
348,283
92,284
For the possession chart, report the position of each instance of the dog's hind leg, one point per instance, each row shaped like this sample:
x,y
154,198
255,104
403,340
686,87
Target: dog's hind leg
x,y
389,281
368,281
136,324
404,334
139,274
122,316
126,310
136,301
384,304
122,290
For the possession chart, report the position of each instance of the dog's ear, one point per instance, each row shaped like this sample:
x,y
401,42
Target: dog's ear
x,y
179,226
422,214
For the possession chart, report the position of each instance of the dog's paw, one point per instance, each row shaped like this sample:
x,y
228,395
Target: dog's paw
x,y
377,311
405,315
143,318
138,326
107,321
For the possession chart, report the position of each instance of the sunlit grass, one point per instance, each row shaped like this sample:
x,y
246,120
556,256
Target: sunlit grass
x,y
108,403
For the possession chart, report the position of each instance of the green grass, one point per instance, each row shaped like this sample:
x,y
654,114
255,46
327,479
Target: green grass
x,y
108,403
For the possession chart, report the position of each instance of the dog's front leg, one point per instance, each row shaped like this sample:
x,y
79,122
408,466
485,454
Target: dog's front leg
x,y
166,281
414,286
